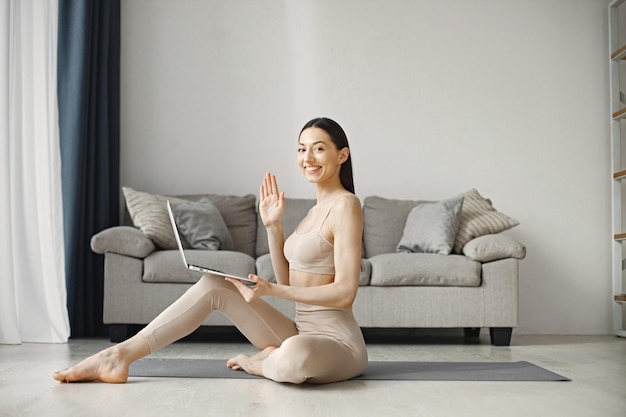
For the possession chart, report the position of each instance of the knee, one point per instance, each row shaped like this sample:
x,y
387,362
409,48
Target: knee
x,y
212,287
209,282
292,362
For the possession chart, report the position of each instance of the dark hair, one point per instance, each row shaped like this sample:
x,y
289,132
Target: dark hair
x,y
339,138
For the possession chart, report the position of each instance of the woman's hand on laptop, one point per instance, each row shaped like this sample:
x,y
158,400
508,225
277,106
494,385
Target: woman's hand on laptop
x,y
249,293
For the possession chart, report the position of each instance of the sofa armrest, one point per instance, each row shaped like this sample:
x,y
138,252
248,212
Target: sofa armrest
x,y
123,240
493,247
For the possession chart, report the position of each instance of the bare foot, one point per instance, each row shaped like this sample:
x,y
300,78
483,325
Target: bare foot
x,y
250,364
106,366
110,365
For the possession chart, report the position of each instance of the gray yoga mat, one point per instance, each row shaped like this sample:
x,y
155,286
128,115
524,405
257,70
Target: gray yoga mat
x,y
376,370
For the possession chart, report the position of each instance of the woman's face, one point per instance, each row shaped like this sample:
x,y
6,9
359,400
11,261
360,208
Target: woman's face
x,y
318,157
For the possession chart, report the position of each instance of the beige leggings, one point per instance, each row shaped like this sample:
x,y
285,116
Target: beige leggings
x,y
322,345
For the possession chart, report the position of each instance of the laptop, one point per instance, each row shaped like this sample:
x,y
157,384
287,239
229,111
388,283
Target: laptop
x,y
199,268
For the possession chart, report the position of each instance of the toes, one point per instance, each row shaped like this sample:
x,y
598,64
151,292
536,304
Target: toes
x,y
236,362
65,377
232,364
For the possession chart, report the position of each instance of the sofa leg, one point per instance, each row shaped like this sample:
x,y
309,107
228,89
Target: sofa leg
x,y
501,336
120,332
471,332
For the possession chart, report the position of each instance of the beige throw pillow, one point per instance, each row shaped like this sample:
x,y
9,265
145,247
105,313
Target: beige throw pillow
x,y
149,214
478,218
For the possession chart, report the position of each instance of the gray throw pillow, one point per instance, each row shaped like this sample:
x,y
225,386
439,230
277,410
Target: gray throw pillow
x,y
202,225
493,247
432,227
123,240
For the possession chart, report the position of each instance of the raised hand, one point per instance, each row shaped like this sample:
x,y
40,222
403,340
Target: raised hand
x,y
271,202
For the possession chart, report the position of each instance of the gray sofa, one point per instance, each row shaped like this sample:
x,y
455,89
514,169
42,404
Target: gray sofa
x,y
475,289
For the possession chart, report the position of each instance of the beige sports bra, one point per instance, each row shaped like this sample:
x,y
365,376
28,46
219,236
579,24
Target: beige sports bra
x,y
311,252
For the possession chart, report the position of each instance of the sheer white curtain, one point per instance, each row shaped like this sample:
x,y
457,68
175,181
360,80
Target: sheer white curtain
x,y
32,271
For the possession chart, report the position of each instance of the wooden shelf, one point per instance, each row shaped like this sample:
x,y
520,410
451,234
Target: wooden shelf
x,y
619,114
619,175
619,54
617,106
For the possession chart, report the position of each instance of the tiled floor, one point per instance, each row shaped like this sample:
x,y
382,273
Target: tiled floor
x,y
596,365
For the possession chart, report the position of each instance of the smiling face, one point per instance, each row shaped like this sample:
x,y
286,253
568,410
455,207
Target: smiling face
x,y
318,157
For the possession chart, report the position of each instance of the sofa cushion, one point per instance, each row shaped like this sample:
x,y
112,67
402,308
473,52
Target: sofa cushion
x,y
383,223
295,210
489,248
239,214
123,240
202,225
432,227
149,214
264,269
167,266
478,218
425,269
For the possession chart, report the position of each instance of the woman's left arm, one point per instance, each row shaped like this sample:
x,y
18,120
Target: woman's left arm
x,y
346,224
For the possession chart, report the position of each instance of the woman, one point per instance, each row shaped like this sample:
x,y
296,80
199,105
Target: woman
x,y
318,267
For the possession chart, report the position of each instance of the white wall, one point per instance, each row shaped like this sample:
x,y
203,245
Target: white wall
x,y
507,96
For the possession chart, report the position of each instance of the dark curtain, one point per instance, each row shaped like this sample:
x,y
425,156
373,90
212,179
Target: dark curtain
x,y
88,78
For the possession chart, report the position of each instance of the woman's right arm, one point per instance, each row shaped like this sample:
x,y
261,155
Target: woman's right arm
x,y
276,242
271,209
